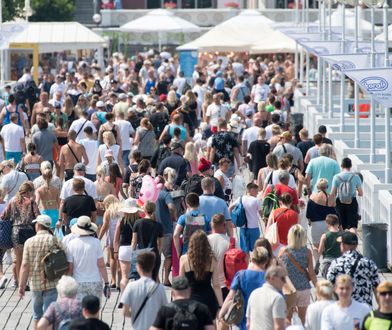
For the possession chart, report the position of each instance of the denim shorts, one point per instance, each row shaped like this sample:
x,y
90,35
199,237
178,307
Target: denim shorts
x,y
41,301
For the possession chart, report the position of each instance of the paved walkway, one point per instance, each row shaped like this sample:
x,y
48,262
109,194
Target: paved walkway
x,y
16,313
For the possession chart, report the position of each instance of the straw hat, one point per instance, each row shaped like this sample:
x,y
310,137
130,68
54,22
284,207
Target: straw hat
x,y
84,226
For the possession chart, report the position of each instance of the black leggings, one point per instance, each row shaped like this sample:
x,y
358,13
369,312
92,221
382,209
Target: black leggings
x,y
347,213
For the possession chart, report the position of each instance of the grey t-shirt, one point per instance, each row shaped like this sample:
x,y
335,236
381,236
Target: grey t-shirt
x,y
44,140
279,151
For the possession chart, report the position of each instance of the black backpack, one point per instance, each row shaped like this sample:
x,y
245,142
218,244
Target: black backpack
x,y
192,185
184,317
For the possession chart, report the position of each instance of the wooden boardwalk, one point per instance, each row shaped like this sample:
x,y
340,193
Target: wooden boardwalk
x,y
16,313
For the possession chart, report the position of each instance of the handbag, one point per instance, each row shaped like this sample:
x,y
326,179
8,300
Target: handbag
x,y
272,233
236,309
6,234
290,294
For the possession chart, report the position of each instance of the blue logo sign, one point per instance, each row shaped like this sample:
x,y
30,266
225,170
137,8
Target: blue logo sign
x,y
344,65
374,84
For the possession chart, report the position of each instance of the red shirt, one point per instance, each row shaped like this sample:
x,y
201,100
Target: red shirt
x,y
285,219
280,189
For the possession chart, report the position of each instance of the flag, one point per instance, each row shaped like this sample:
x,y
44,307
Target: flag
x,y
322,47
343,62
303,37
377,82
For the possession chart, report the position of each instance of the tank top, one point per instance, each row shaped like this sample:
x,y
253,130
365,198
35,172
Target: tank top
x,y
331,247
182,128
7,118
125,233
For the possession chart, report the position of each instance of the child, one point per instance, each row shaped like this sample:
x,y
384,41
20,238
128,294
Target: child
x,y
329,248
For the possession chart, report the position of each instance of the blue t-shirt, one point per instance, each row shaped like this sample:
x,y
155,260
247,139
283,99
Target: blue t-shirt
x,y
211,205
181,221
219,83
322,168
162,212
250,281
344,176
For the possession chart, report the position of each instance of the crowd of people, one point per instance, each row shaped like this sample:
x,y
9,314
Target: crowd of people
x,y
239,186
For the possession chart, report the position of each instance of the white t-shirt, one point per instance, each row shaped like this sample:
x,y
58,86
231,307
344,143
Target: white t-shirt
x,y
115,148
201,91
250,135
216,112
84,252
264,305
126,130
252,207
275,179
12,133
260,92
133,296
11,182
78,124
314,312
91,147
219,243
179,83
335,317
268,132
67,189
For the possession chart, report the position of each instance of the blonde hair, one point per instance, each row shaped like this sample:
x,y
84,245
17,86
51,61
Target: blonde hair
x,y
109,136
260,255
189,153
146,124
171,97
261,132
100,171
296,237
261,106
47,175
112,204
324,289
322,184
344,279
170,175
207,98
275,130
25,188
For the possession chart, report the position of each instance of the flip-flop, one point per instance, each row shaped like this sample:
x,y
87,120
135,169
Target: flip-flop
x,y
3,282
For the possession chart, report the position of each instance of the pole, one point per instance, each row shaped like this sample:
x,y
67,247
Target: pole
x,y
330,100
342,77
323,77
319,65
372,103
387,110
301,68
356,87
307,73
2,52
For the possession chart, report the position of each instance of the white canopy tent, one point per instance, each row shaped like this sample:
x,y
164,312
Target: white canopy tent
x,y
381,36
237,34
365,27
275,42
159,21
58,36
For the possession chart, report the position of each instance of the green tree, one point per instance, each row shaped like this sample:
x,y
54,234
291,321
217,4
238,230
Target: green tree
x,y
52,10
12,9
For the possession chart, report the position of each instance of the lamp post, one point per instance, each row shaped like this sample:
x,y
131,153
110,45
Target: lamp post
x,y
386,109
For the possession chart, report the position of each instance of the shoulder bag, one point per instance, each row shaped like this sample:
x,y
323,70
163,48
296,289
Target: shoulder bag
x,y
55,262
236,309
296,264
149,294
6,233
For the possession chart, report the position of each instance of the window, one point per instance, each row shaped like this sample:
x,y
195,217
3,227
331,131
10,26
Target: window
x,y
186,4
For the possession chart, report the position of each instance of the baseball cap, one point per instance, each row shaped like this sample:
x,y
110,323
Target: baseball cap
x,y
100,104
43,220
80,167
91,303
385,286
348,238
130,94
122,96
180,283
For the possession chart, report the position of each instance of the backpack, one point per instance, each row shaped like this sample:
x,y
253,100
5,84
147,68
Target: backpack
x,y
344,190
64,324
238,215
234,260
55,263
192,185
236,309
270,202
178,200
193,223
184,317
163,153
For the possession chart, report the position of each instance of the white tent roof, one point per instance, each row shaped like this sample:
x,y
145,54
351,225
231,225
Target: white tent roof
x,y
58,36
236,34
275,42
159,20
381,36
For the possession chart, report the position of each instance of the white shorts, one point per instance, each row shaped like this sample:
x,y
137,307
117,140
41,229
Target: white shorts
x,y
125,253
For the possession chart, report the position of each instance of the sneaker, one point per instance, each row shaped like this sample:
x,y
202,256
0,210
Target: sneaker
x,y
15,285
3,282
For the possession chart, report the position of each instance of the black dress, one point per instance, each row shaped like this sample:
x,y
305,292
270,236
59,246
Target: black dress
x,y
203,292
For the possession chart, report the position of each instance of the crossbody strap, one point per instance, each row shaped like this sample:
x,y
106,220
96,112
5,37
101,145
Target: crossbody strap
x,y
280,214
296,264
73,153
149,294
80,129
354,267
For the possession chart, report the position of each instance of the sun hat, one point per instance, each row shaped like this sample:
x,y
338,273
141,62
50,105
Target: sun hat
x,y
84,226
100,104
43,220
130,206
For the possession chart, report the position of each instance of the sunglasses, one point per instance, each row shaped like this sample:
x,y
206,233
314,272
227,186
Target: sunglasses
x,y
389,293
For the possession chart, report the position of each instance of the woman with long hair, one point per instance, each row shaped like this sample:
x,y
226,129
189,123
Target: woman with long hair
x,y
297,259
47,198
147,234
109,126
123,238
69,110
145,139
116,179
172,103
208,99
265,116
201,269
135,183
111,216
248,280
22,210
272,165
104,189
191,156
31,162
109,143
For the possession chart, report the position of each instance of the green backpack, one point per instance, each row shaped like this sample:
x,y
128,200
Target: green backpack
x,y
270,202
